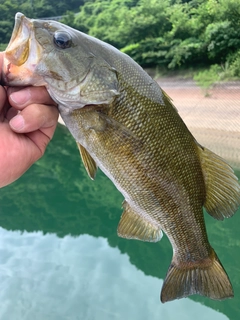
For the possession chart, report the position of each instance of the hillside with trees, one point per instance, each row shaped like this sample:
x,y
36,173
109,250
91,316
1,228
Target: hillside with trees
x,y
169,34
32,9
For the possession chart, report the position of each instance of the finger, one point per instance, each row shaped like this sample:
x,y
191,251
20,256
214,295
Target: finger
x,y
34,117
40,140
1,64
11,112
20,98
4,105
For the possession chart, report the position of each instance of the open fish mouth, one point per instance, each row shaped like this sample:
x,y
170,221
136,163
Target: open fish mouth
x,y
17,50
22,53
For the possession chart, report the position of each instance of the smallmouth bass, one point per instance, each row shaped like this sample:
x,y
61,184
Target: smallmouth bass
x,y
128,127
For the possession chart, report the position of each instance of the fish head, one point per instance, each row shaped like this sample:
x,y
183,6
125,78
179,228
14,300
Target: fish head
x,y
49,53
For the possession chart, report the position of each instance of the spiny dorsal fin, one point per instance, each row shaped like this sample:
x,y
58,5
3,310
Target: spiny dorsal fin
x,y
134,226
88,161
168,99
222,186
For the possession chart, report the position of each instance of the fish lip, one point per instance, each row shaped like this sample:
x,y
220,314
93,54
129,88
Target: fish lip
x,y
22,29
18,21
17,51
5,66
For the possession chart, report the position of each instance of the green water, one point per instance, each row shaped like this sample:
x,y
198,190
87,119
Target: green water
x,y
60,257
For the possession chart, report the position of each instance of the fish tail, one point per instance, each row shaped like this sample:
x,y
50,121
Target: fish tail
x,y
207,278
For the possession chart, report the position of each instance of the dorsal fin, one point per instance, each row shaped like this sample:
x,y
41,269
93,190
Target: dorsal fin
x,y
134,226
88,161
168,100
222,186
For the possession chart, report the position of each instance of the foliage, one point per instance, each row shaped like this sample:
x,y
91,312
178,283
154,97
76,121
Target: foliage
x,y
207,78
222,38
235,65
168,33
171,33
32,9
216,73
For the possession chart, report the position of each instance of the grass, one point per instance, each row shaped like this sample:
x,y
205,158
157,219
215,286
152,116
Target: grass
x,y
205,77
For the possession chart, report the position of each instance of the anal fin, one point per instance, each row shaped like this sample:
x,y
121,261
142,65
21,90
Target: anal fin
x,y
222,186
88,161
134,226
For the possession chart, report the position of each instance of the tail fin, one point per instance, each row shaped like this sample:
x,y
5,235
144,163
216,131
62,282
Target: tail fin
x,y
207,278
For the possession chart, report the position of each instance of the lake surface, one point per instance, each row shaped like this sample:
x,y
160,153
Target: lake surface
x,y
61,258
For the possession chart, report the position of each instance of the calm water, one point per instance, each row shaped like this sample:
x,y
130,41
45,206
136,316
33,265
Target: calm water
x,y
60,257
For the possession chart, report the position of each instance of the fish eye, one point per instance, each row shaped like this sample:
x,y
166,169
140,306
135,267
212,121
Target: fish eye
x,y
62,39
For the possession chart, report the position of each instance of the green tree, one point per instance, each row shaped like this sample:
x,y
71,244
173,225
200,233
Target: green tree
x,y
169,33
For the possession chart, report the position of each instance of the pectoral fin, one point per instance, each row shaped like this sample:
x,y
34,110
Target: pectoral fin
x,y
88,161
222,186
134,226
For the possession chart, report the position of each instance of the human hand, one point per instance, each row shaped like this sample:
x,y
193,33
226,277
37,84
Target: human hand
x,y
28,118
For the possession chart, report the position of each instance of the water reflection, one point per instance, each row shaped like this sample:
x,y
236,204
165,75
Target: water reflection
x,y
80,278
68,263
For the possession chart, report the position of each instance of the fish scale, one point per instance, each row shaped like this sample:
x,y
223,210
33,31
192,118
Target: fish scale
x,y
127,126
150,168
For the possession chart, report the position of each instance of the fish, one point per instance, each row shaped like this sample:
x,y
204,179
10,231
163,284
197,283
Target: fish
x,y
127,126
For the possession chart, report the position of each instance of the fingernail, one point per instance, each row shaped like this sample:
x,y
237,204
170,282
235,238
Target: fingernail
x,y
17,123
21,97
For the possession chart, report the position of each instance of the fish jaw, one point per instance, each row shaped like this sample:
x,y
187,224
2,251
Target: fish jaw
x,y
22,55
